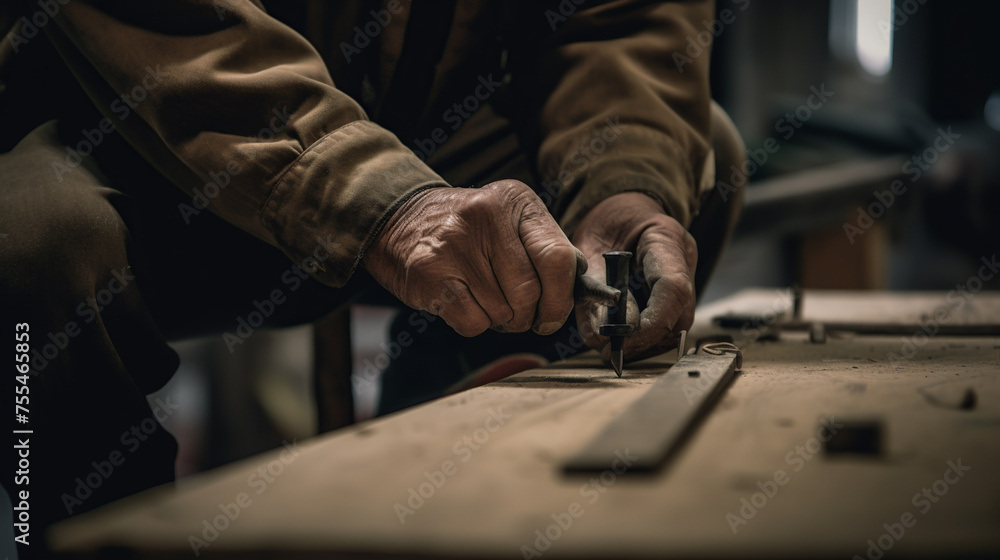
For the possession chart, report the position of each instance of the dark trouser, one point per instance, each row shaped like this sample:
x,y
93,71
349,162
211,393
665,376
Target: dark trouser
x,y
103,267
438,357
100,264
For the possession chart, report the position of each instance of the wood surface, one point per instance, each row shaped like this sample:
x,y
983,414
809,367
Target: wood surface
x,y
342,495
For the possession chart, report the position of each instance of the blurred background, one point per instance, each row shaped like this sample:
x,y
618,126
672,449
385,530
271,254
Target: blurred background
x,y
902,73
872,129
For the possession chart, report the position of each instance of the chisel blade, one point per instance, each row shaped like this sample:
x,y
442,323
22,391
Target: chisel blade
x,y
617,359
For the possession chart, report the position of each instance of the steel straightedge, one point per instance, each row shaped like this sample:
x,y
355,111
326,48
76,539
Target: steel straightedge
x,y
656,426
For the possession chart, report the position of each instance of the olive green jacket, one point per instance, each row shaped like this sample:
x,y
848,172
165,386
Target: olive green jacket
x,y
279,136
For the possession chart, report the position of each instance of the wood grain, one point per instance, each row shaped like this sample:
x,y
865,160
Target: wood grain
x,y
343,494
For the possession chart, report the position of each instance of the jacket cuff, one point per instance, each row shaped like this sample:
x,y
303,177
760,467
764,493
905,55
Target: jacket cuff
x,y
333,201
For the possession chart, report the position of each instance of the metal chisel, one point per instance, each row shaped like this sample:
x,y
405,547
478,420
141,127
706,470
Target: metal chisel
x,y
617,328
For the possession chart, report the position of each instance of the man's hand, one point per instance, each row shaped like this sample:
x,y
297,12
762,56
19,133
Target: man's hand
x,y
479,258
667,255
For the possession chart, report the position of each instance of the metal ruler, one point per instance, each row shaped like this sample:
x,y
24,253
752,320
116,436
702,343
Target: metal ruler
x,y
656,426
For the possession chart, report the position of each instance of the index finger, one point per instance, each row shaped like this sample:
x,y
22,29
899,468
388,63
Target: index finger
x,y
555,262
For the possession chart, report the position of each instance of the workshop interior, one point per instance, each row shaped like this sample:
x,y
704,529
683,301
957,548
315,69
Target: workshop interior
x,y
884,100
837,395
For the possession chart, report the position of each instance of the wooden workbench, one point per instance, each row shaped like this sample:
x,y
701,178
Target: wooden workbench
x,y
751,482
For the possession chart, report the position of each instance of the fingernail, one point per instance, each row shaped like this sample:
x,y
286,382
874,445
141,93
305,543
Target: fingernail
x,y
549,328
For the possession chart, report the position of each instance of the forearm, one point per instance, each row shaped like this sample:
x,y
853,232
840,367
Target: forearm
x,y
236,92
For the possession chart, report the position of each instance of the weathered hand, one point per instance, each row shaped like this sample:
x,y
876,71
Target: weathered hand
x,y
479,258
667,255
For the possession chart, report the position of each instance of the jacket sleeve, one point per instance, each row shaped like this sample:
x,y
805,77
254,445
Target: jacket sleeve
x,y
618,100
239,111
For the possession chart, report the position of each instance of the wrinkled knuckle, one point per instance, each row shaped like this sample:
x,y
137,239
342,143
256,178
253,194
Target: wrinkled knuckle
x,y
562,256
460,298
517,194
418,268
479,204
679,290
691,250
505,189
513,186
690,242
683,288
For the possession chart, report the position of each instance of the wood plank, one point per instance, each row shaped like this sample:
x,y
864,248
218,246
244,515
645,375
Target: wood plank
x,y
342,494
